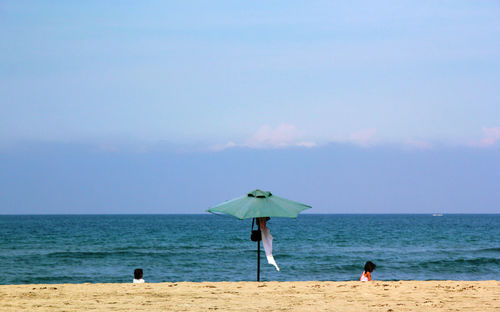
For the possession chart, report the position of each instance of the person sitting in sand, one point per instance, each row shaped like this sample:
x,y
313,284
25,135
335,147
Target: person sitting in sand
x,y
138,276
367,273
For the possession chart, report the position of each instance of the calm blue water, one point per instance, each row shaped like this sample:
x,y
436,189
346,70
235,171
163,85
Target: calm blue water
x,y
107,248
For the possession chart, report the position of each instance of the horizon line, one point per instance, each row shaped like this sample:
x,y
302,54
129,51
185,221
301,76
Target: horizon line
x,y
200,214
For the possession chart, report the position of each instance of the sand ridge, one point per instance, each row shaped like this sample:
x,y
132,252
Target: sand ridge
x,y
254,296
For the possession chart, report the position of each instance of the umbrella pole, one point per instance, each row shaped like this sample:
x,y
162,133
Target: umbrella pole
x,y
258,255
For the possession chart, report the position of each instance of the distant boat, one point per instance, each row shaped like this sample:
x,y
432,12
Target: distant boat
x,y
437,214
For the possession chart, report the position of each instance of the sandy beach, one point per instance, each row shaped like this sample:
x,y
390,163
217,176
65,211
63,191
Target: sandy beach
x,y
265,296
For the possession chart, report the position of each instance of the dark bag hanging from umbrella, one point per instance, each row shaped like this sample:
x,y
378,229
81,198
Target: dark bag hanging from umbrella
x,y
256,235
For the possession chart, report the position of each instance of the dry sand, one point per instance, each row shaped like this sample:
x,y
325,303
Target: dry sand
x,y
253,296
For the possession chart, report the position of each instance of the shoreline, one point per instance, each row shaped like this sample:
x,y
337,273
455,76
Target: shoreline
x,y
309,296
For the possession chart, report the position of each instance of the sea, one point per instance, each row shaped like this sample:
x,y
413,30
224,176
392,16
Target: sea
x,y
175,248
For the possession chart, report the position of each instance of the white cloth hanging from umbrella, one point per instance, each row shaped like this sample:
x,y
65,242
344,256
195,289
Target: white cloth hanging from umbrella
x,y
267,241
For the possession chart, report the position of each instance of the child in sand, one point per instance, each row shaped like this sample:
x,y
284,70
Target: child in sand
x,y
367,273
138,276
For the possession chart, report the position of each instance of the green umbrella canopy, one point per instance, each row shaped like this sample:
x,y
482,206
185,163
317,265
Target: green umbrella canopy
x,y
258,204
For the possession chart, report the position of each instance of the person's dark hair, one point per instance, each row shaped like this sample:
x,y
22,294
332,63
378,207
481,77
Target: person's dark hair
x,y
369,266
138,273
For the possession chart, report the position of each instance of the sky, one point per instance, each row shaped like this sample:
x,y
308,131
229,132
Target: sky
x,y
171,106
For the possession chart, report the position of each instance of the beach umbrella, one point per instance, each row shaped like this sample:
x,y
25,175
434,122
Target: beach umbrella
x,y
259,204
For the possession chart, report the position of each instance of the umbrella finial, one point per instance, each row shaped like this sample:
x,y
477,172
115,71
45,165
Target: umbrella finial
x,y
259,194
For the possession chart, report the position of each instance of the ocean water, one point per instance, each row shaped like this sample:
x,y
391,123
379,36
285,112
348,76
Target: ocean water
x,y
107,248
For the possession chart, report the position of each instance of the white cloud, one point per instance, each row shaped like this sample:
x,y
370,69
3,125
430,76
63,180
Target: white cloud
x,y
491,136
221,147
307,144
287,135
284,135
363,137
281,136
417,144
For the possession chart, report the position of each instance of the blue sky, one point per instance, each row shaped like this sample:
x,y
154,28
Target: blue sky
x,y
211,83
